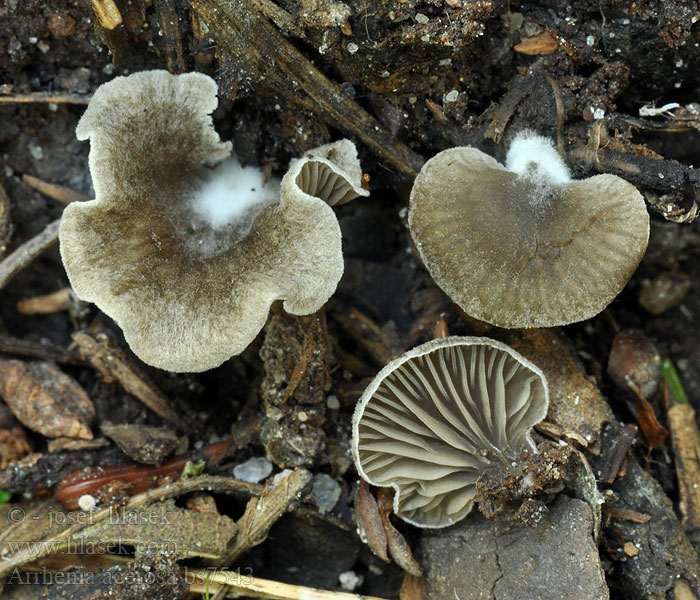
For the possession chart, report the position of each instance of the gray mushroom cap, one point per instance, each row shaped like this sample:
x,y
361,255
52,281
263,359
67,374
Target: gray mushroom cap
x,y
433,420
132,251
521,251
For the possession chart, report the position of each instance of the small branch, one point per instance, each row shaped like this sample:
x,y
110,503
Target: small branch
x,y
239,584
57,192
27,252
50,303
112,363
264,54
10,345
45,97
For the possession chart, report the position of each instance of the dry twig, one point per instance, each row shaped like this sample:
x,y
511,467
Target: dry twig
x,y
27,252
57,192
112,363
45,97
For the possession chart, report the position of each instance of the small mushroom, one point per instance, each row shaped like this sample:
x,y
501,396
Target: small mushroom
x,y
525,245
436,418
186,252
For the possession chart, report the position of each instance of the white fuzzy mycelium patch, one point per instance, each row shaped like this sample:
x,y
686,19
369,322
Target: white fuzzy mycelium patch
x,y
538,165
224,207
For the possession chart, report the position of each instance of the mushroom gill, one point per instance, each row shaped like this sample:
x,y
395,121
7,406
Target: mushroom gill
x,y
330,172
436,418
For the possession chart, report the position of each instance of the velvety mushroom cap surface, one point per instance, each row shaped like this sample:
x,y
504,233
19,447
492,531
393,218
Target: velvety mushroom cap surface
x,y
522,250
186,297
439,416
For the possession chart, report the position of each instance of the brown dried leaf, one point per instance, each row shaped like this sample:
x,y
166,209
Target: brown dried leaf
x,y
654,433
398,546
369,522
413,588
575,402
45,399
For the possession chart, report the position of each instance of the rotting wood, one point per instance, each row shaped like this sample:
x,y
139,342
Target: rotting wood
x,y
270,60
112,363
27,252
172,42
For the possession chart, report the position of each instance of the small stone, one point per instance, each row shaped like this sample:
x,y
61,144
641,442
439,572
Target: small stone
x,y
422,19
325,492
253,470
350,581
332,402
352,48
86,502
451,96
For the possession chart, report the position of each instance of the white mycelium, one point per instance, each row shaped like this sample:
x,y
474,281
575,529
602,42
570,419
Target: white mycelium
x,y
534,157
232,194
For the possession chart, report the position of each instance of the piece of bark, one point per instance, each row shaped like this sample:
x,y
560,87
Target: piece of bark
x,y
45,399
665,554
399,549
263,511
503,559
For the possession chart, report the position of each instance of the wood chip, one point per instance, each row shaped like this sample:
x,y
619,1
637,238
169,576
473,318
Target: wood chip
x,y
630,549
107,13
62,194
50,303
538,45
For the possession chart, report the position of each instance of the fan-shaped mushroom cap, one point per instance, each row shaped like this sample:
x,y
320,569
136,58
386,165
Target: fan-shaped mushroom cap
x,y
526,248
433,420
190,285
